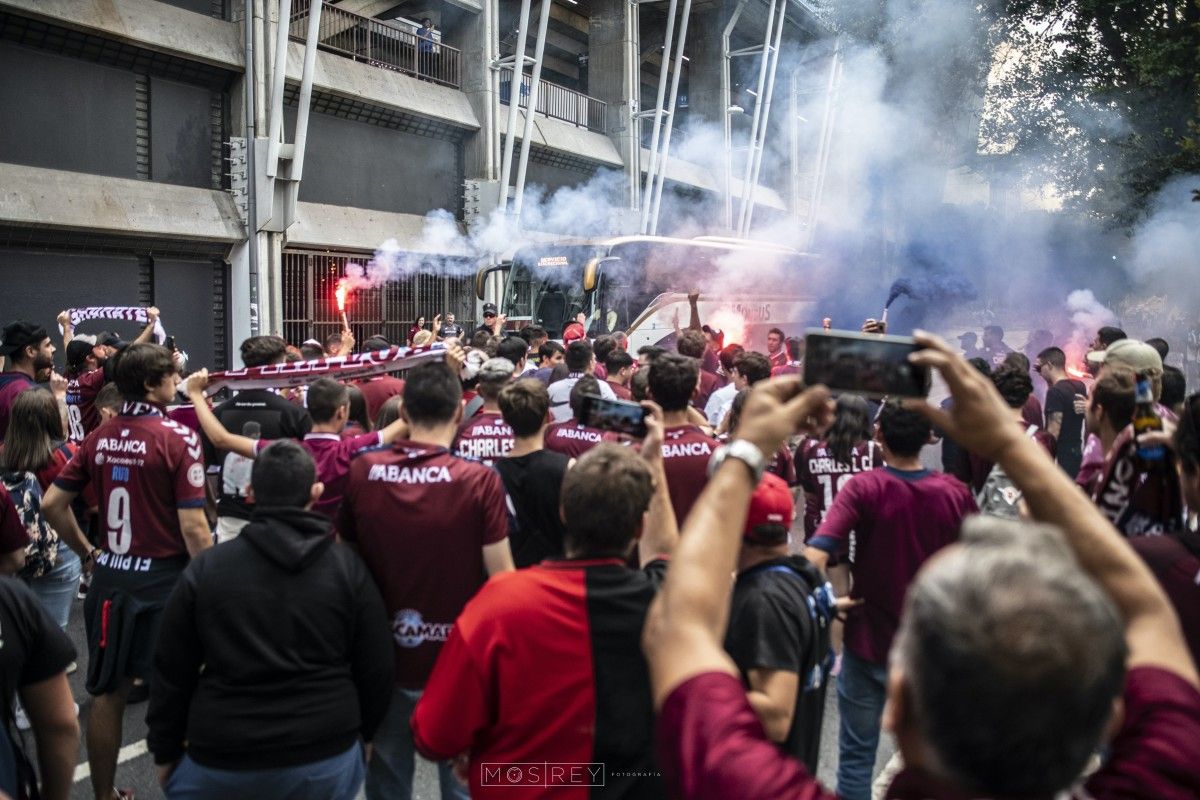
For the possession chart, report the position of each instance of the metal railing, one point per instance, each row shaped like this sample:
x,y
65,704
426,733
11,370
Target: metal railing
x,y
381,44
559,102
309,310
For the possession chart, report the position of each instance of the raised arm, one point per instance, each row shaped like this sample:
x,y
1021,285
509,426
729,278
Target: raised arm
x,y
152,314
347,345
694,312
686,624
660,530
68,329
221,439
978,421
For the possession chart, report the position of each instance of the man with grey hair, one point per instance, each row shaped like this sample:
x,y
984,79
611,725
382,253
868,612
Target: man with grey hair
x,y
1013,658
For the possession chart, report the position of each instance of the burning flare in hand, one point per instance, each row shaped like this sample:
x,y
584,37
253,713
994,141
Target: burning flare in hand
x,y
340,294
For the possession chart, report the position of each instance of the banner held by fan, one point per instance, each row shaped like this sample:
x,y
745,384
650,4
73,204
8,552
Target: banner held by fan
x,y
341,368
128,313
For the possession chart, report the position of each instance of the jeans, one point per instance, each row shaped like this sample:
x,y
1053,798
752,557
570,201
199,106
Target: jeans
x,y
56,589
336,778
390,773
862,689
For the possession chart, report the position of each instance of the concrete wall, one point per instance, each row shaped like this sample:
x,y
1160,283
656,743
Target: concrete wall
x,y
180,133
64,280
66,114
199,6
183,292
181,288
361,165
552,178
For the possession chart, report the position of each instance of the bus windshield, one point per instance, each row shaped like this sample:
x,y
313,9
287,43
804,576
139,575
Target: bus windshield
x,y
616,282
545,286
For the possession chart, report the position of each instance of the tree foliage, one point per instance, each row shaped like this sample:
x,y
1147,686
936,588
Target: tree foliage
x,y
1099,97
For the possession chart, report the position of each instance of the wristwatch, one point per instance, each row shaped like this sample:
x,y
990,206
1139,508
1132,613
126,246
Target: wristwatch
x,y
743,451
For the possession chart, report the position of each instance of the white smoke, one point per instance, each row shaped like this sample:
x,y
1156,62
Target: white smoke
x,y
902,148
1166,247
1087,316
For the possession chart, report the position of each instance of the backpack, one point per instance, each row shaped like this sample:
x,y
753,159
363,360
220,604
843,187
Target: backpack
x,y
999,497
41,554
821,601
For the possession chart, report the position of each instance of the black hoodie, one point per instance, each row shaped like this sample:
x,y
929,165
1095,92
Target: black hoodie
x,y
274,650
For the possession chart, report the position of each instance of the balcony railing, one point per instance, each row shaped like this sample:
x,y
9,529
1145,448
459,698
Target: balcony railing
x,y
381,44
559,102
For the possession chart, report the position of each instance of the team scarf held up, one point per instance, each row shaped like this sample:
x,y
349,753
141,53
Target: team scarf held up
x,y
1137,500
128,313
340,368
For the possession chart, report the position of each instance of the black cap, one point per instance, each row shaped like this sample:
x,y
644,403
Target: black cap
x,y
20,334
489,308
112,340
376,342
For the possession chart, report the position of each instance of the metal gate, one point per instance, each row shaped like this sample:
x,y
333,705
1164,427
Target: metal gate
x,y
310,310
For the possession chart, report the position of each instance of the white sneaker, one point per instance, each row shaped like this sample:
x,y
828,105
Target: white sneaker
x,y
74,665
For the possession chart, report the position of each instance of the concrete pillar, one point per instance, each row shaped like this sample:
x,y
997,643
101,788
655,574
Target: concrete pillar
x,y
704,74
479,44
612,77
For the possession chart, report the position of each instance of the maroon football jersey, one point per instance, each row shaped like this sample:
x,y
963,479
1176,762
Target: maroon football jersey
x,y
331,453
485,436
686,450
420,518
377,391
821,476
899,519
622,392
143,467
82,416
573,438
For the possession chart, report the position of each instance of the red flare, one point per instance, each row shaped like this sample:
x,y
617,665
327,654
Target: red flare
x,y
343,289
731,323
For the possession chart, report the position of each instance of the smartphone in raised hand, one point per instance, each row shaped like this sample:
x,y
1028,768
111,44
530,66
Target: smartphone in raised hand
x,y
868,364
620,416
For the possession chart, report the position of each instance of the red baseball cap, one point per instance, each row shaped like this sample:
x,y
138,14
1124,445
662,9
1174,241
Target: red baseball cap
x,y
573,332
771,504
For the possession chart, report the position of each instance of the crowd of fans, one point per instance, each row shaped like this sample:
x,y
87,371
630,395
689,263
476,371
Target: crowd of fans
x,y
319,583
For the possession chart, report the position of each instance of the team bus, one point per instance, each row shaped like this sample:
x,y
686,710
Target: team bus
x,y
640,285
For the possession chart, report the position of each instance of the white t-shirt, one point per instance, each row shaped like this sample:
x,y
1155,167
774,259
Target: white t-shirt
x,y
560,396
719,403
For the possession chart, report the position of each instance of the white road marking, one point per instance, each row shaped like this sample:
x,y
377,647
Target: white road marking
x,y
126,753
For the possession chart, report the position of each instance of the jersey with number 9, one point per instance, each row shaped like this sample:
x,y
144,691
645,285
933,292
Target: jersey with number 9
x,y
143,468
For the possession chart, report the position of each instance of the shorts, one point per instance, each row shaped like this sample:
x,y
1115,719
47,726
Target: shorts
x,y
122,612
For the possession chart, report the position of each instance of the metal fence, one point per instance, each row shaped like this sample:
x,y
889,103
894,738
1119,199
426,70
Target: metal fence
x,y
382,44
559,102
310,311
